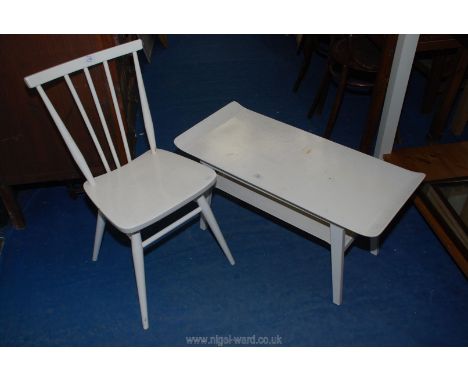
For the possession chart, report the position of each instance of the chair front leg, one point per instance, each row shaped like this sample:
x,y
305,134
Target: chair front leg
x,y
138,263
337,103
100,225
320,97
210,219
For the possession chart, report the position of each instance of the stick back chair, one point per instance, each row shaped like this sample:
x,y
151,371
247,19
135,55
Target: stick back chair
x,y
144,190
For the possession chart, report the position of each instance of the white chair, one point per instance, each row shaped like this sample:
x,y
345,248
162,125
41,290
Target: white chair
x,y
143,191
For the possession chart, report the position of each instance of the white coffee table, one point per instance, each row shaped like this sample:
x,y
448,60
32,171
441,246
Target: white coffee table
x,y
316,185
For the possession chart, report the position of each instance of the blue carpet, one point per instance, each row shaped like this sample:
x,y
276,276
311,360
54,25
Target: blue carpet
x,y
52,294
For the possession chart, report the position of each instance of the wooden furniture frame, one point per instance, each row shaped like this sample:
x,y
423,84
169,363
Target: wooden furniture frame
x,y
140,192
318,186
394,72
356,57
439,163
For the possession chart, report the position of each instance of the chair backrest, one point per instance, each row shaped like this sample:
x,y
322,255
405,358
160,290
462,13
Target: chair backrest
x,y
83,63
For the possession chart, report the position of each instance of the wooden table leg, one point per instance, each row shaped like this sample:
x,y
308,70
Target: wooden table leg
x,y
337,241
442,114
12,207
378,94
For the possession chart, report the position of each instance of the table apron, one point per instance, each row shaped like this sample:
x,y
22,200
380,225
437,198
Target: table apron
x,y
278,208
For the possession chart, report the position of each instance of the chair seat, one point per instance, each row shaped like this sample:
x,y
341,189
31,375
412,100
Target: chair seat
x,y
149,188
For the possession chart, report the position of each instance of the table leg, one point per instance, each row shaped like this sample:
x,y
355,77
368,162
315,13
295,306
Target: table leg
x,y
374,245
337,241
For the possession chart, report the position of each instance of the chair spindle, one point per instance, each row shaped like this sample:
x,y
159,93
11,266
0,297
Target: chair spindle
x,y
117,110
101,117
144,105
87,122
74,150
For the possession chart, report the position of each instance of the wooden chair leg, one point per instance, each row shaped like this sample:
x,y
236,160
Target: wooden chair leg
x,y
309,44
321,95
210,219
302,73
138,263
433,83
203,223
12,206
300,46
100,225
461,115
441,116
337,103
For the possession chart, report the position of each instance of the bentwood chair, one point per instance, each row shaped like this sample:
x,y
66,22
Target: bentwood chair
x,y
352,62
142,191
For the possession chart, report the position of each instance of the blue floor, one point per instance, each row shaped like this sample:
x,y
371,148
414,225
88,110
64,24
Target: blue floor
x,y
52,294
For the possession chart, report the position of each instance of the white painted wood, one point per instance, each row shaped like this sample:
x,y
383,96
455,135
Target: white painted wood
x,y
213,224
314,184
203,225
139,265
396,90
100,225
337,237
74,150
144,105
171,227
278,208
101,117
374,245
148,189
83,62
143,191
117,111
330,181
87,122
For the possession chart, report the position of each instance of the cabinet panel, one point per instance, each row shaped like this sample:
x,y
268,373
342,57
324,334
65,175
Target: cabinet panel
x,y
31,149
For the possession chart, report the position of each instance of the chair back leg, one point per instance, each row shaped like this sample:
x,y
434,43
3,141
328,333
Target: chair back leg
x,y
138,263
203,225
100,225
320,97
337,103
210,219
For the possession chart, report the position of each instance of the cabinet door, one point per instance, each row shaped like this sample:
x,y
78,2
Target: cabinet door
x,y
31,149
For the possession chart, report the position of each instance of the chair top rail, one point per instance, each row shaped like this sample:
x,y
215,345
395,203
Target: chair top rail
x,y
61,70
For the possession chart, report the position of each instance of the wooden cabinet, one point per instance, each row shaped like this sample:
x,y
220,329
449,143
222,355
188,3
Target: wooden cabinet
x,y
439,163
31,149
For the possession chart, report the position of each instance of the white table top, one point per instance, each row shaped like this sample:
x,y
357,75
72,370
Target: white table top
x,y
352,190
